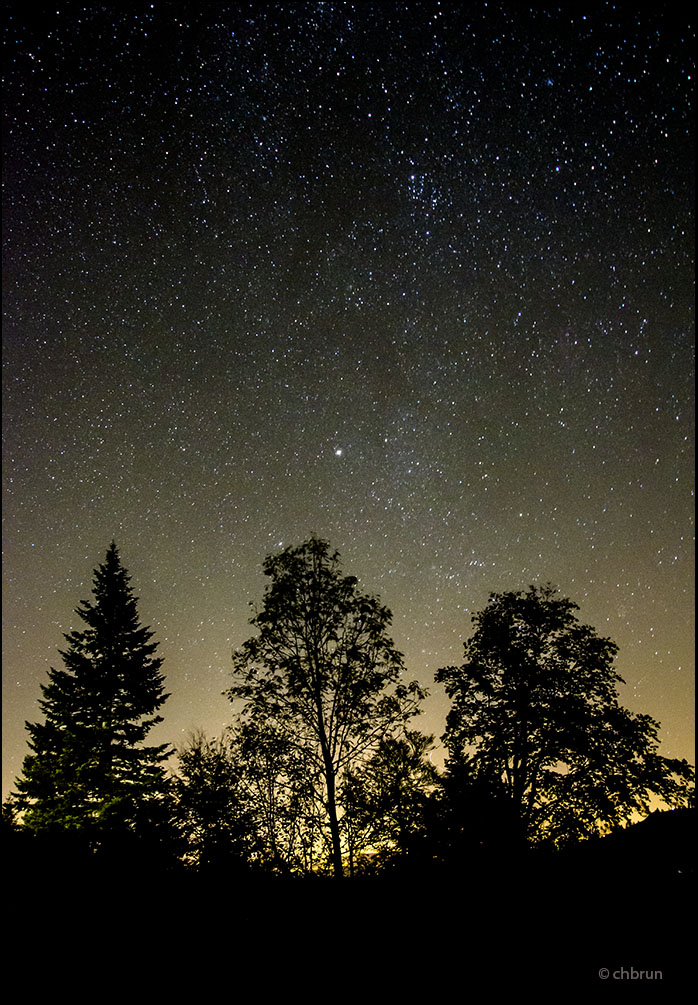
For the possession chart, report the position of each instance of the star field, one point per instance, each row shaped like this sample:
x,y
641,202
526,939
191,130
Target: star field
x,y
415,278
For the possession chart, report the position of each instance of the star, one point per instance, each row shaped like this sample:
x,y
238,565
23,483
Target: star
x,y
240,245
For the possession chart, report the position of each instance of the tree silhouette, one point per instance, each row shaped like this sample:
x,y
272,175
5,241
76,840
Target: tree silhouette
x,y
322,672
282,785
535,713
212,804
89,773
385,799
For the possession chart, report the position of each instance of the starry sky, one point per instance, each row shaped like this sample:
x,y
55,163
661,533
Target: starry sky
x,y
416,278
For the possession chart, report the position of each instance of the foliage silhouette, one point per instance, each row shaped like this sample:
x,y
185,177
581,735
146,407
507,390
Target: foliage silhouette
x,y
320,772
212,805
322,674
89,780
535,715
385,801
283,787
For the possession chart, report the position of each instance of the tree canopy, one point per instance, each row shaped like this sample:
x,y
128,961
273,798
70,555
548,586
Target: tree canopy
x,y
386,800
536,715
322,674
212,803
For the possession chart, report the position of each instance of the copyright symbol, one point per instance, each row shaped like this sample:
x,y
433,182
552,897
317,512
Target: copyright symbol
x,y
603,973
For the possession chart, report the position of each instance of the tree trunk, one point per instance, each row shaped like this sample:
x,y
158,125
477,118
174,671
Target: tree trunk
x,y
334,822
330,782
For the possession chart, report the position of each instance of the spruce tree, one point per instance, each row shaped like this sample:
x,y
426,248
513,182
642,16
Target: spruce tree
x,y
88,772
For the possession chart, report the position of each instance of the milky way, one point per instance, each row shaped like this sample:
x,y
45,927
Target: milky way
x,y
415,278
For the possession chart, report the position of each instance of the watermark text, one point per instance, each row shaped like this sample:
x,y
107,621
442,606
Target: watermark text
x,y
630,974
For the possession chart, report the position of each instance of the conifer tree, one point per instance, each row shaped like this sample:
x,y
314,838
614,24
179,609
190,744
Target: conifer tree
x,y
88,772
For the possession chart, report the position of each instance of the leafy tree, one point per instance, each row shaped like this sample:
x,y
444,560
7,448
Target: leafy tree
x,y
212,805
282,784
385,798
470,822
88,772
322,673
535,713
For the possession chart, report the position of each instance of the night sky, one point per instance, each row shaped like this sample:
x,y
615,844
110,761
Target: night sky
x,y
416,278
